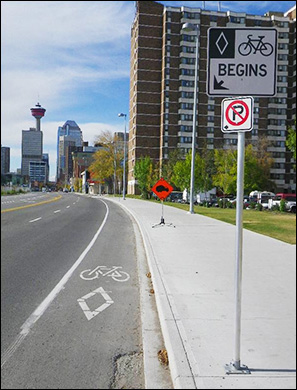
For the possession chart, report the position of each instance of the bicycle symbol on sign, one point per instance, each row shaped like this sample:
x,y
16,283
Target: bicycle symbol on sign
x,y
245,48
114,273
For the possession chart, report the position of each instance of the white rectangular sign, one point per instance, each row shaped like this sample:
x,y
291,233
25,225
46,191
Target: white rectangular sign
x,y
237,114
241,61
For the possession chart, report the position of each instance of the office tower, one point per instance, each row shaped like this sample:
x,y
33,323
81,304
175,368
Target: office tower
x,y
45,158
72,134
162,87
32,144
5,160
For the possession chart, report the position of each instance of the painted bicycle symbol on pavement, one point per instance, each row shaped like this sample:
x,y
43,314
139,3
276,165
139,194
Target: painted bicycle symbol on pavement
x,y
114,272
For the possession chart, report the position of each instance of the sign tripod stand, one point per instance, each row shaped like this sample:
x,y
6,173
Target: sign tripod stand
x,y
162,223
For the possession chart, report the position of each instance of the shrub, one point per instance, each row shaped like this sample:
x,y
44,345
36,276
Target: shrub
x,y
259,207
275,207
252,205
282,206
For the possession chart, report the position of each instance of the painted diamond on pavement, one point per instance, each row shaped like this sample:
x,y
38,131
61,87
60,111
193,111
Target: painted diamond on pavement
x,y
91,314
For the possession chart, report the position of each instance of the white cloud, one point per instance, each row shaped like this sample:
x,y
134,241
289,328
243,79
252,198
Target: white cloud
x,y
53,52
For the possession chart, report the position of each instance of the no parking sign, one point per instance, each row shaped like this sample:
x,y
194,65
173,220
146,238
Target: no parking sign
x,y
237,114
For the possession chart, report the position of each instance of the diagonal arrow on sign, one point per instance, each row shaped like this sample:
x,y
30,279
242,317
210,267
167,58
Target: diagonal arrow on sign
x,y
91,314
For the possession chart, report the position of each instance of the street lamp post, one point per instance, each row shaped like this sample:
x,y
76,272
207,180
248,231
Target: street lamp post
x,y
187,27
124,168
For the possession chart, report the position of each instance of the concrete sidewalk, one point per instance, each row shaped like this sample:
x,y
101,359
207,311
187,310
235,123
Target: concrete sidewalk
x,y
192,267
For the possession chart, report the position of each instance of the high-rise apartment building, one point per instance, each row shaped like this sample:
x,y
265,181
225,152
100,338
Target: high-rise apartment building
x,y
5,160
162,87
69,135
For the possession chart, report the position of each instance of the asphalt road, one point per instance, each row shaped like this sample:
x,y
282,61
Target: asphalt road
x,y
61,328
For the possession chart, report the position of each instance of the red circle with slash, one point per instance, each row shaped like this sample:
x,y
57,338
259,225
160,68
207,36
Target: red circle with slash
x,y
243,118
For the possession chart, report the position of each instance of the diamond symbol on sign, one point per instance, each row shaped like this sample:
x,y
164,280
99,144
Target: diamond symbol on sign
x,y
221,43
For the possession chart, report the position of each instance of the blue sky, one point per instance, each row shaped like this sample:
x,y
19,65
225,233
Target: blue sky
x,y
74,58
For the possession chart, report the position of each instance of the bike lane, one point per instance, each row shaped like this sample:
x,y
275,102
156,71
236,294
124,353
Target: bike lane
x,y
90,324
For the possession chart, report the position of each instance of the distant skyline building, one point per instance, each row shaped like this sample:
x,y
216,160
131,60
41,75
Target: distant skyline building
x,y
45,158
32,146
68,135
5,160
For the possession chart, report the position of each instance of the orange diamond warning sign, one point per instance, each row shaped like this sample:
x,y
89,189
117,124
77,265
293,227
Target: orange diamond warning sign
x,y
162,189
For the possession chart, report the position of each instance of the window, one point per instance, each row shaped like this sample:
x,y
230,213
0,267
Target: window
x,y
210,118
188,38
186,117
185,140
187,95
283,46
187,83
188,49
282,79
234,19
187,106
186,128
188,72
281,90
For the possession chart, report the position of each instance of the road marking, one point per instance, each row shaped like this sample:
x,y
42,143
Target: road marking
x,y
32,205
34,317
67,207
57,211
34,220
91,314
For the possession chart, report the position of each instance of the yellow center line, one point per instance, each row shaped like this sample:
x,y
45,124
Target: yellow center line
x,y
32,205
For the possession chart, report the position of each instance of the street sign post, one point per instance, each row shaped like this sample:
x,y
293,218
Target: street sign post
x,y
241,61
237,114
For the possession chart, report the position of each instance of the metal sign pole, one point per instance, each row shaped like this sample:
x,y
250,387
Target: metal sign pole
x,y
234,367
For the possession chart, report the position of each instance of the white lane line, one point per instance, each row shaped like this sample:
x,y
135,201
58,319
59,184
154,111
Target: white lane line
x,y
67,207
34,220
34,317
57,211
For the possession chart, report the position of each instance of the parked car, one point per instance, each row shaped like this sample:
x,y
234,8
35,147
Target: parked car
x,y
176,196
261,197
290,200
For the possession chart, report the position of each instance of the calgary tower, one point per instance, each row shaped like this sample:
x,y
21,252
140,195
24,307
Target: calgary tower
x,y
38,113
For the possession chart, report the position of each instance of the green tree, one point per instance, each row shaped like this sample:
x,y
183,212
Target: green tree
x,y
208,169
257,170
168,166
225,162
107,162
145,175
291,142
181,176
